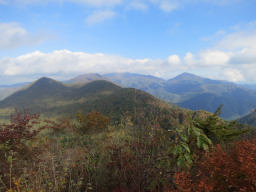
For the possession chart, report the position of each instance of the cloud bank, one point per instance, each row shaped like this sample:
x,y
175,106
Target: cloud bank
x,y
212,63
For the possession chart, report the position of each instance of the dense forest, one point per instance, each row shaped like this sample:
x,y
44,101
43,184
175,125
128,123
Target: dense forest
x,y
91,152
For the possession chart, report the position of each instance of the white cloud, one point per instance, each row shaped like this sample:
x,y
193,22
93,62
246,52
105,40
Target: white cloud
x,y
189,59
66,62
214,64
99,16
166,5
13,35
233,75
138,5
174,60
245,56
214,57
238,40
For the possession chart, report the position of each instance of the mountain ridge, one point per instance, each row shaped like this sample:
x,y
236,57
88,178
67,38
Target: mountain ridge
x,y
57,99
186,90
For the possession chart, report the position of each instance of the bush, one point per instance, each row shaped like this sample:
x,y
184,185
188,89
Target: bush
x,y
222,171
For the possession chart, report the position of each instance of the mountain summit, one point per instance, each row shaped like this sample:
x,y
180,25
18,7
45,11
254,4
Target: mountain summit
x,y
188,76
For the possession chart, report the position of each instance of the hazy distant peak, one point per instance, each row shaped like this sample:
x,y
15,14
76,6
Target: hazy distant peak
x,y
89,75
86,78
188,76
131,75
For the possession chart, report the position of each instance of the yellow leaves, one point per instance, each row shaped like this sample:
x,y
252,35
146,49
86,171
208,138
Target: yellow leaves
x,y
17,182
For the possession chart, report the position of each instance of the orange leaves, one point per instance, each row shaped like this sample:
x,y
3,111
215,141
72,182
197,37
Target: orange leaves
x,y
220,171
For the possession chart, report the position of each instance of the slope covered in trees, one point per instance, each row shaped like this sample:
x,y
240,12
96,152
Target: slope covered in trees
x,y
51,99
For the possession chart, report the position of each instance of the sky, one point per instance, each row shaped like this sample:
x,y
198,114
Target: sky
x,y
65,38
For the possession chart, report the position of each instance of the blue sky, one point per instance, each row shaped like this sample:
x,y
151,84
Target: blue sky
x,y
64,38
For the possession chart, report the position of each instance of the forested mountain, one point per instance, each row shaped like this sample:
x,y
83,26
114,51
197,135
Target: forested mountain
x,y
186,90
53,98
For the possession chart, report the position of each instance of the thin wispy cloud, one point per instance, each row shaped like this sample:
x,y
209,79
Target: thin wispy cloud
x,y
137,5
3,2
13,35
165,5
99,16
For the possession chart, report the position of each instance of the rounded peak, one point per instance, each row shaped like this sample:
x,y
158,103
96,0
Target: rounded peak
x,y
45,79
101,83
86,78
46,82
187,76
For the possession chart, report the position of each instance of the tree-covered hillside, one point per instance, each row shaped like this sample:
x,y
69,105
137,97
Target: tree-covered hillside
x,y
52,98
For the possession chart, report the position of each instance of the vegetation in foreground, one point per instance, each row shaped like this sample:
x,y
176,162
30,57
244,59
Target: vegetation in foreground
x,y
91,153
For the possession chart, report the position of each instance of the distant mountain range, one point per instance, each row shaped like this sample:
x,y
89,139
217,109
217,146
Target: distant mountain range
x,y
194,92
249,86
249,119
52,99
186,90
85,78
6,90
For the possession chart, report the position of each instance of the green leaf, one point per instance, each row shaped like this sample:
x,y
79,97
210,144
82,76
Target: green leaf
x,y
185,146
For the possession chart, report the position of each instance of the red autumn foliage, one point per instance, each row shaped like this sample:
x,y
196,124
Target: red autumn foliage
x,y
222,171
14,147
21,127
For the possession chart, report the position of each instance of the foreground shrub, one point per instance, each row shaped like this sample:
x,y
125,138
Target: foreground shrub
x,y
222,171
16,148
92,122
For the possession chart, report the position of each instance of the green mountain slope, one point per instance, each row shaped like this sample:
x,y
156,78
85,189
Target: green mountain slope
x,y
52,98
